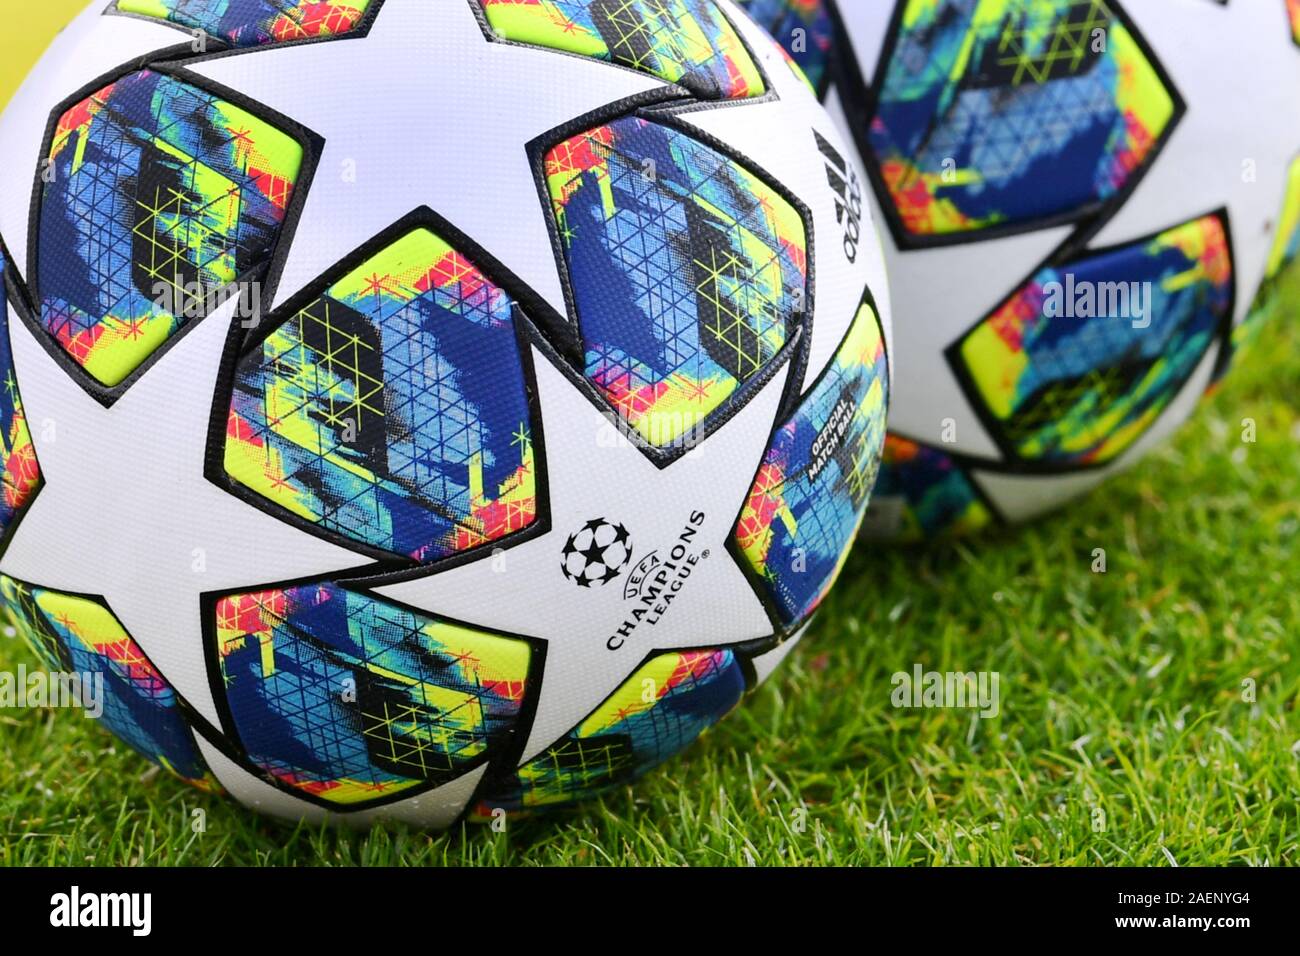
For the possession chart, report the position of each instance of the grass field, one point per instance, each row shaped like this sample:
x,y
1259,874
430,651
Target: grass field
x,y
1124,736
1121,693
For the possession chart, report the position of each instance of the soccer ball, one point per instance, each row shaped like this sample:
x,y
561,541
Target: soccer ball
x,y
1089,204
422,410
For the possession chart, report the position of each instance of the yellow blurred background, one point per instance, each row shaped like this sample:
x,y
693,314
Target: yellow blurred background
x,y
28,29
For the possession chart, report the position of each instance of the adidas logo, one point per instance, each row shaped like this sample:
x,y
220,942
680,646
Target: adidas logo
x,y
848,190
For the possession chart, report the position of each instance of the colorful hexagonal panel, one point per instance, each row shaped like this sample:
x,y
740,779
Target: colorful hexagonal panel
x,y
74,635
1286,247
1077,364
687,42
350,699
392,410
688,272
803,28
803,511
1282,257
157,196
20,473
921,492
656,713
245,23
1011,112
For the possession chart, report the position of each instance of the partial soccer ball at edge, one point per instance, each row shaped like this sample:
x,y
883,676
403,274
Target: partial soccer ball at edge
x,y
425,409
1089,204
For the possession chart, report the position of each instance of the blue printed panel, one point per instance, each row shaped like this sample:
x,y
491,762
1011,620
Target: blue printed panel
x,y
19,471
688,272
687,42
349,699
393,409
658,712
803,28
1080,362
78,635
158,196
928,492
805,506
1013,112
247,23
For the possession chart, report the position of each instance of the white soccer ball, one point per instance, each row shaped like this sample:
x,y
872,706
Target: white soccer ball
x,y
418,409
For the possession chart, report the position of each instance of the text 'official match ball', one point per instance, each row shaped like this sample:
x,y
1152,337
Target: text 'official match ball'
x,y
424,409
1088,206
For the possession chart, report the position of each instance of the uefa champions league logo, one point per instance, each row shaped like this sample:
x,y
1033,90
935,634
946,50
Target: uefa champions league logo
x,y
601,551
596,554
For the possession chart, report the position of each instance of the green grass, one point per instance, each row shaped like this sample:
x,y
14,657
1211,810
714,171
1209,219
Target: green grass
x,y
1121,692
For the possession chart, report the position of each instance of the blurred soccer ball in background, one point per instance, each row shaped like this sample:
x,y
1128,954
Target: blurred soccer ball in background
x,y
1088,204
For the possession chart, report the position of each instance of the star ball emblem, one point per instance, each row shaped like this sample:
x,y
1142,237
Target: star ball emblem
x,y
597,553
